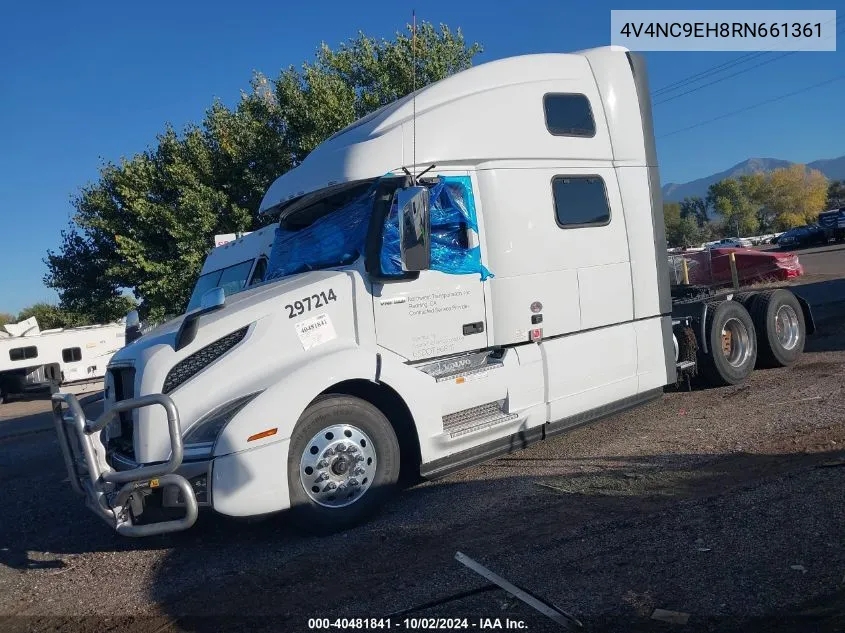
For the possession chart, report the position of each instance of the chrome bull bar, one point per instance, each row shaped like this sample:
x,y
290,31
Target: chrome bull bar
x,y
108,492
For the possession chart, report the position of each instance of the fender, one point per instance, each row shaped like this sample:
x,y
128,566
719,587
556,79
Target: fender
x,y
281,405
418,390
251,477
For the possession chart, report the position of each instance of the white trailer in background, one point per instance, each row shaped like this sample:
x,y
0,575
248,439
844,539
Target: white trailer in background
x,y
70,360
541,301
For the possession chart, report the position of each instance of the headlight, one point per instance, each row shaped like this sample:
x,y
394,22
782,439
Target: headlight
x,y
200,438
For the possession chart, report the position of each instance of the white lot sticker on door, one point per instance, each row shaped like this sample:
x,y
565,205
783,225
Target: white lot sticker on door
x,y
315,331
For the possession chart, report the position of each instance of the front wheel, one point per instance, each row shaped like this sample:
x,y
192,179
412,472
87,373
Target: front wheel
x,y
343,463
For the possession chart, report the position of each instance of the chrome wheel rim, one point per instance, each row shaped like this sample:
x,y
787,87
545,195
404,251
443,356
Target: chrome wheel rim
x,y
787,329
736,343
338,466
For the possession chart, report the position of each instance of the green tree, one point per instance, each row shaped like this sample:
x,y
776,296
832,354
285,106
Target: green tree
x,y
835,194
148,222
729,200
681,230
50,316
5,318
83,271
757,191
671,215
695,208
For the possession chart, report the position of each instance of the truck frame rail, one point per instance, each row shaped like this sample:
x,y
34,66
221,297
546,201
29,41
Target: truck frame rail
x,y
110,493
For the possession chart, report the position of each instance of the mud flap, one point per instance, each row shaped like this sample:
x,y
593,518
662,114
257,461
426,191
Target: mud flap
x,y
809,323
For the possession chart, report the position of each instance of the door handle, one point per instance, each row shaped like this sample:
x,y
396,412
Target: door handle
x,y
473,328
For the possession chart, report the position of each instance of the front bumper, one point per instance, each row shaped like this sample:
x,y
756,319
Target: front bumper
x,y
116,496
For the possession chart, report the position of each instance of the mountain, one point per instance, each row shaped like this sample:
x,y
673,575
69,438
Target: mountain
x,y
833,168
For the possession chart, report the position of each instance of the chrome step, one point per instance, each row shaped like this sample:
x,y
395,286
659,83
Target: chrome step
x,y
475,419
462,365
470,372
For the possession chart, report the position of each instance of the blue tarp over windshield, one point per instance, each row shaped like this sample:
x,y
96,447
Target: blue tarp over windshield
x,y
338,238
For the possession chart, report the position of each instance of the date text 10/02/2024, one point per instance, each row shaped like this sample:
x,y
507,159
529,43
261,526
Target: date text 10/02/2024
x,y
432,624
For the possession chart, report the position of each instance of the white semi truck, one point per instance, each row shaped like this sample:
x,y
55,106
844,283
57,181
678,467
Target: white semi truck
x,y
473,268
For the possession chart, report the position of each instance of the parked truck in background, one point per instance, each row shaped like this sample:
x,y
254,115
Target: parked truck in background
x,y
832,223
476,267
237,262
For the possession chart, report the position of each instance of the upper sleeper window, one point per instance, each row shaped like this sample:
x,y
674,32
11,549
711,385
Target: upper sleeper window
x,y
580,201
569,115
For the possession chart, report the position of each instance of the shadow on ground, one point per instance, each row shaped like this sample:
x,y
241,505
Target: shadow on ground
x,y
736,540
739,542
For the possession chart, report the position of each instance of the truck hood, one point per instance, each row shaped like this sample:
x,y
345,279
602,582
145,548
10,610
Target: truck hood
x,y
240,309
238,349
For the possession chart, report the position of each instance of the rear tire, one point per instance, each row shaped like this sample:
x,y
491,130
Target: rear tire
x,y
331,489
731,344
781,330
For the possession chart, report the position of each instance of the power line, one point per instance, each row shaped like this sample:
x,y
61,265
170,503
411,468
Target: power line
x,y
715,70
756,105
739,72
726,77
707,72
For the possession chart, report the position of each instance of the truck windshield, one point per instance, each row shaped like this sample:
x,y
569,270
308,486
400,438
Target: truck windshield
x,y
232,279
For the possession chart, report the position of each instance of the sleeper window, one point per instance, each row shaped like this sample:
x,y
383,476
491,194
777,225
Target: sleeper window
x,y
580,201
569,115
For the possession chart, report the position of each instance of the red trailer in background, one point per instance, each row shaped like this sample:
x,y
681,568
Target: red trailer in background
x,y
712,267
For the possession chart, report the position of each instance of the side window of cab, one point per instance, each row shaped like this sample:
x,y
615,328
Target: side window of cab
x,y
258,272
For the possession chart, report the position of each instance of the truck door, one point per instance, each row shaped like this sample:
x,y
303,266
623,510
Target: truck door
x,y
436,314
442,311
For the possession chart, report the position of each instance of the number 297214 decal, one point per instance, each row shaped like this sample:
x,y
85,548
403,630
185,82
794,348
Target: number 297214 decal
x,y
317,300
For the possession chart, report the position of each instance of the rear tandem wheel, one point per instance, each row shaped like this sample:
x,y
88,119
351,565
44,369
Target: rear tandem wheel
x,y
731,343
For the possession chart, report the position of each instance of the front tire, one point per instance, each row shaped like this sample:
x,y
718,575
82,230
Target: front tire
x,y
731,343
343,464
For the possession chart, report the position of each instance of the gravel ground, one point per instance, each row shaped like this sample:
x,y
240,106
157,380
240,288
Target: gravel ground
x,y
724,504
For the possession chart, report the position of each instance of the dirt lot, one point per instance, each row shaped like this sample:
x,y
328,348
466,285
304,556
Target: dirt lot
x,y
725,504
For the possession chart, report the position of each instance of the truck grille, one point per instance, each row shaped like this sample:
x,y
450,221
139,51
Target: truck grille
x,y
196,362
123,379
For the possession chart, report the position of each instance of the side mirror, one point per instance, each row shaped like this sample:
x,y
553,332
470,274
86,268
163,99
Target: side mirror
x,y
414,228
133,327
212,299
133,319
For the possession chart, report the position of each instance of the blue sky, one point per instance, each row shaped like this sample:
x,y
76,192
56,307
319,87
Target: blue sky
x,y
88,82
